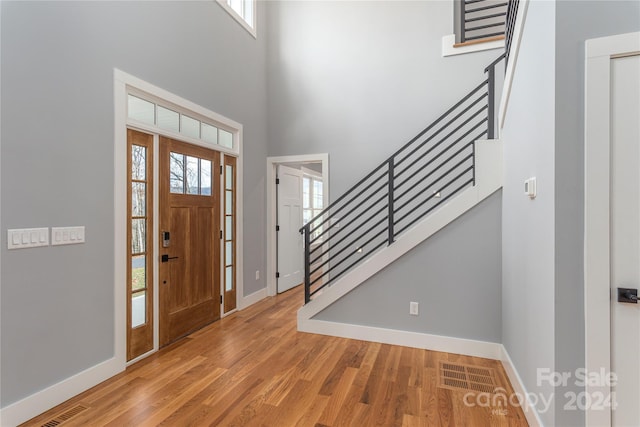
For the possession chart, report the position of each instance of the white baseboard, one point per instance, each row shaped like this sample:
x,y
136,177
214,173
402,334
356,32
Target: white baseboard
x,y
467,347
253,298
39,402
533,418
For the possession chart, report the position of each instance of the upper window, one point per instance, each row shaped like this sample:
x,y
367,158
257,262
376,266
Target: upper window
x,y
242,11
312,201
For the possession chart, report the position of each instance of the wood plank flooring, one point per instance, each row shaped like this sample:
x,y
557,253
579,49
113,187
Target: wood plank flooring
x,y
254,369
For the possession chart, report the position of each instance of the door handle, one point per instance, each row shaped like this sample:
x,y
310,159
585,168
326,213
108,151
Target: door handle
x,y
628,295
166,258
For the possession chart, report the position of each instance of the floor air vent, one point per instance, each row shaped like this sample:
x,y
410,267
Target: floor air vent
x,y
466,377
65,416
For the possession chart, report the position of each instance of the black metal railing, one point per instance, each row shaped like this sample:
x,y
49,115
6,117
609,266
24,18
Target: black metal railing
x,y
430,169
510,27
480,19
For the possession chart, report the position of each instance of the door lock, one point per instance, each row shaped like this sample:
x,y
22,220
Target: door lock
x,y
166,258
628,295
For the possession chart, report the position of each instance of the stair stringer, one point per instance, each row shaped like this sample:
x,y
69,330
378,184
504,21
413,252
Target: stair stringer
x,y
488,174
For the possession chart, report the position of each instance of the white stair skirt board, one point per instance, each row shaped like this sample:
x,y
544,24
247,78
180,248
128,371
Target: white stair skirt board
x,y
530,413
488,180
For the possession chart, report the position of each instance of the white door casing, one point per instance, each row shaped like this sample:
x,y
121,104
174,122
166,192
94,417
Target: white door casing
x,y
290,250
597,262
625,237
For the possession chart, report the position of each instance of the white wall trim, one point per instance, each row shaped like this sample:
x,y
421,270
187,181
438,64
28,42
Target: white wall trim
x,y
272,165
404,338
240,20
532,416
39,402
449,40
488,180
253,298
518,31
597,294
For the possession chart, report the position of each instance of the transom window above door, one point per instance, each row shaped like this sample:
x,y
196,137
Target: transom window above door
x,y
189,175
170,119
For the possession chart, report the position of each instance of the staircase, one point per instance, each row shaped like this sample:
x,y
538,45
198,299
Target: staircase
x,y
445,170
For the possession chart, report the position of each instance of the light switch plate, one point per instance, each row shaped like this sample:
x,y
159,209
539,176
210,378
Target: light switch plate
x,y
22,238
67,235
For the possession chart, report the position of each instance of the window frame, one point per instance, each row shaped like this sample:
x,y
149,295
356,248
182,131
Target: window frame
x,y
312,179
249,26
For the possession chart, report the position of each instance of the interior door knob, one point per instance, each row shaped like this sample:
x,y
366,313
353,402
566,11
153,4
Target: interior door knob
x,y
628,295
166,258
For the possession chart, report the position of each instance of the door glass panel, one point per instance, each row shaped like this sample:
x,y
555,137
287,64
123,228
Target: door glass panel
x,y
317,194
225,138
209,133
176,173
205,177
228,253
229,177
190,127
228,278
305,192
138,162
138,198
138,235
228,206
168,119
141,110
138,273
138,309
228,233
192,175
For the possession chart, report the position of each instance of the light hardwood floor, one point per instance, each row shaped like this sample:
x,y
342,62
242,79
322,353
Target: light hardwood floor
x,y
254,369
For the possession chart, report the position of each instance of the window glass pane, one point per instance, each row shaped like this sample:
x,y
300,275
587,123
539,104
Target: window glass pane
x,y
138,162
192,175
306,197
228,279
168,119
138,309
228,252
141,110
229,177
138,273
209,133
176,173
228,206
236,5
248,12
306,215
138,198
190,127
228,228
225,138
138,235
205,177
317,194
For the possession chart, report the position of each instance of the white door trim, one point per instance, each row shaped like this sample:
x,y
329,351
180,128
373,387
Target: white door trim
x,y
597,294
272,164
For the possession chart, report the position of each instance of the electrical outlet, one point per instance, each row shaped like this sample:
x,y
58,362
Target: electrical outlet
x,y
257,274
413,308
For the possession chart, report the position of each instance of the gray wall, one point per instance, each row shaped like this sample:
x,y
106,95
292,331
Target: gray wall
x,y
57,309
359,79
576,21
528,239
454,276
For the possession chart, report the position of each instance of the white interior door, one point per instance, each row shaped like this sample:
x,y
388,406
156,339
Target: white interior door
x,y
625,236
290,250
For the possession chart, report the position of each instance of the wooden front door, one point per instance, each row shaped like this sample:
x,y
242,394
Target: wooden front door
x,y
189,238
